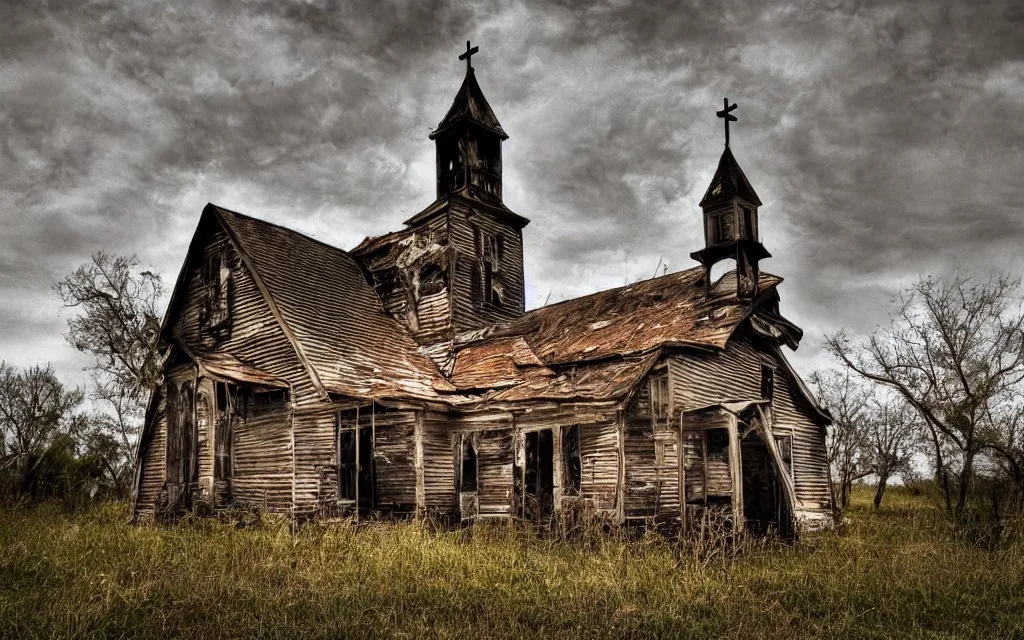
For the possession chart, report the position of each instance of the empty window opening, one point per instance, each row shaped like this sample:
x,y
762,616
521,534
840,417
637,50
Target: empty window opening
x,y
767,382
572,463
467,482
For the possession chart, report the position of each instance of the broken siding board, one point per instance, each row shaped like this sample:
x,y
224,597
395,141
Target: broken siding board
x,y
253,336
810,464
152,477
438,465
316,482
641,467
735,374
599,455
494,472
467,314
394,460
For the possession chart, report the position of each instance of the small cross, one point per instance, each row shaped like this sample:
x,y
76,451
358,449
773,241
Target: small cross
x,y
724,113
468,55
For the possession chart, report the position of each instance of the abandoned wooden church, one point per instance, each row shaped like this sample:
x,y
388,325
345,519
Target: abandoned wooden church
x,y
404,377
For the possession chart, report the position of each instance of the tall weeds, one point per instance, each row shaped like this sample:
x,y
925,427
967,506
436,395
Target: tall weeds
x,y
901,572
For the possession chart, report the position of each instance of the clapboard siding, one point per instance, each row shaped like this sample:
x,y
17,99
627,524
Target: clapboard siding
x,y
153,470
735,374
394,460
262,459
316,478
438,464
467,314
494,476
599,451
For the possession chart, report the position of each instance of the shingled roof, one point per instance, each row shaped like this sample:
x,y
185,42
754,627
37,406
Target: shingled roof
x,y
335,320
729,180
470,104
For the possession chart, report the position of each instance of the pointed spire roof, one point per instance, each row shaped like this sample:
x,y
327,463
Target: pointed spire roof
x,y
729,181
470,104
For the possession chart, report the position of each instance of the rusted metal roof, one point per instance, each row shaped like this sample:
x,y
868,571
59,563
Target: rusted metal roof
x,y
609,380
335,319
599,346
667,311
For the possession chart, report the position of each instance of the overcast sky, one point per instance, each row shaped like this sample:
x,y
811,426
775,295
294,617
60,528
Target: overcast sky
x,y
886,140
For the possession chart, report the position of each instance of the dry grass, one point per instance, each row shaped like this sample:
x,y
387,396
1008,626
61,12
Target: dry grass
x,y
898,573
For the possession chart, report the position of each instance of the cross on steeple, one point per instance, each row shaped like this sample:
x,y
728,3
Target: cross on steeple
x,y
468,56
724,113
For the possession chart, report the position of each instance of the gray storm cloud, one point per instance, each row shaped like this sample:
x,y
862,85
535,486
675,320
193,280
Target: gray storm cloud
x,y
885,139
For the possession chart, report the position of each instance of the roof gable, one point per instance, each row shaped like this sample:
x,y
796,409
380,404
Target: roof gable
x,y
333,317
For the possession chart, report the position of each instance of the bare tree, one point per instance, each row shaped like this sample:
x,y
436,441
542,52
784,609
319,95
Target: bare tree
x,y
35,408
955,352
117,323
893,431
846,399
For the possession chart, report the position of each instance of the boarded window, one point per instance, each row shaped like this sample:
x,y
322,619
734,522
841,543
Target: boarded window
x,y
660,400
719,475
572,463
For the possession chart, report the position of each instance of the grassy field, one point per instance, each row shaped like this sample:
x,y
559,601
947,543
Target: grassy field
x,y
899,573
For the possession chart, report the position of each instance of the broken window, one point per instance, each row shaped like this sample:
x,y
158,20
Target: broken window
x,y
539,473
748,224
174,446
767,382
487,285
572,463
267,400
216,277
467,478
222,435
784,444
724,228
356,477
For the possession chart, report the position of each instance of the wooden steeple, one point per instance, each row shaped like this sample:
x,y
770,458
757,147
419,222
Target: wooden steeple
x,y
729,208
469,141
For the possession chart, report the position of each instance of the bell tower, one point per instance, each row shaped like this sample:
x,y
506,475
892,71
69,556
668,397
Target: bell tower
x,y
730,221
468,142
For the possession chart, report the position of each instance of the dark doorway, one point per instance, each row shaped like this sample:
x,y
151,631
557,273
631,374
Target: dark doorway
x,y
540,477
355,467
764,501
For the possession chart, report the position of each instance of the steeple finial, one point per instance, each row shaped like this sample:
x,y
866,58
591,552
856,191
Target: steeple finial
x,y
469,55
724,113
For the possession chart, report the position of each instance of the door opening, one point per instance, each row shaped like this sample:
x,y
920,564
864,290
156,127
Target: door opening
x,y
540,477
